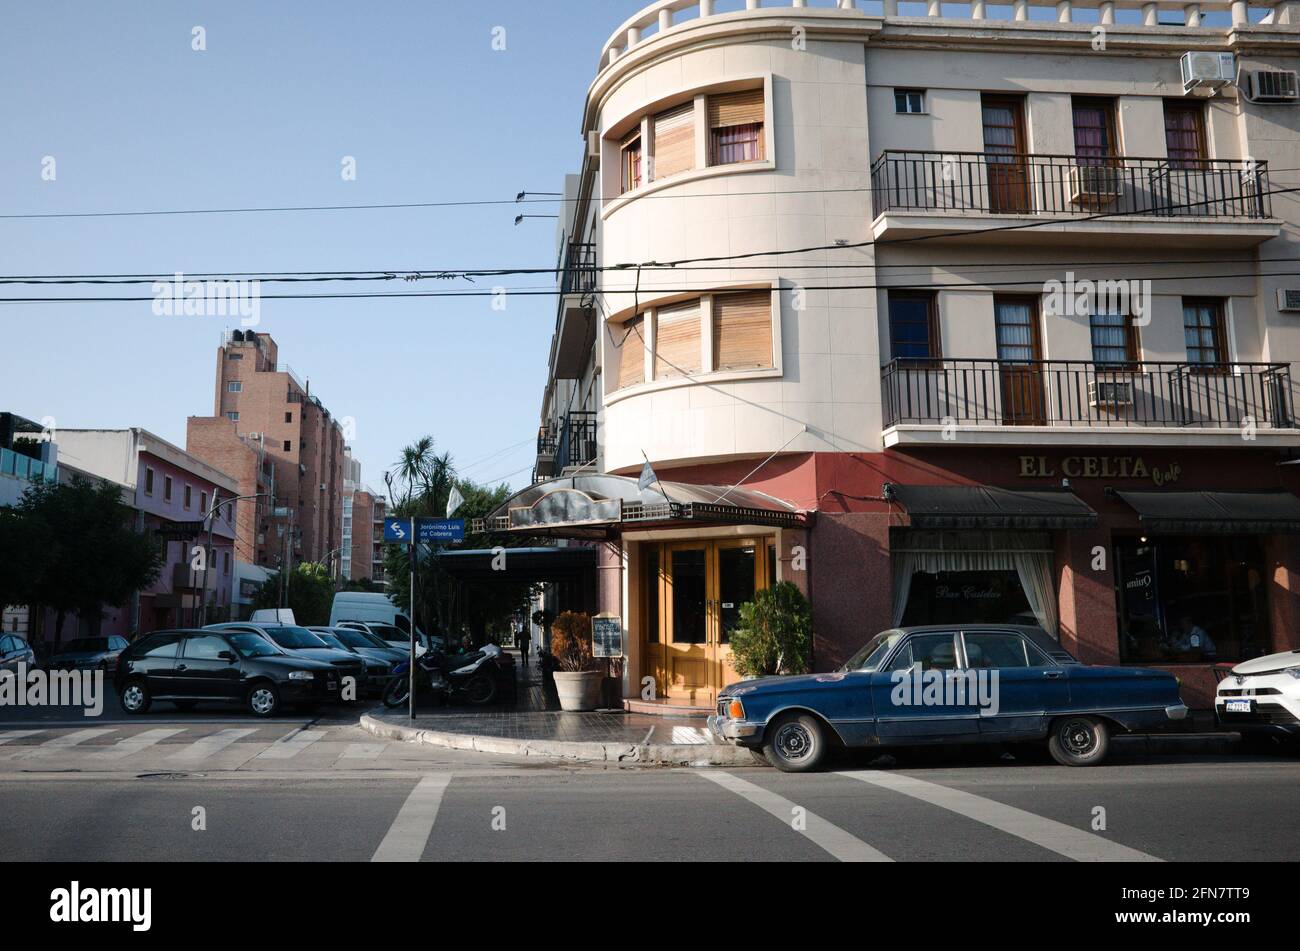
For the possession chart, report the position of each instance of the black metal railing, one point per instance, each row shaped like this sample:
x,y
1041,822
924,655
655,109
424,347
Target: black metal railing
x,y
997,184
1084,393
577,441
578,275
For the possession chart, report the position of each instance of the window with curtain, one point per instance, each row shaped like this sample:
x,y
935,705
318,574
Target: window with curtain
x,y
677,340
1094,131
913,326
674,135
1114,340
736,127
629,340
1016,323
1204,331
631,175
742,330
1185,133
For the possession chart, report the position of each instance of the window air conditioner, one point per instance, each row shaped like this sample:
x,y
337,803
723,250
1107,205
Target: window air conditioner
x,y
1094,184
1206,70
1288,298
1272,85
1110,393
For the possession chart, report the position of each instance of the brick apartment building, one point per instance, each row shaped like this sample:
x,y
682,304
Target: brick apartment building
x,y
363,526
269,432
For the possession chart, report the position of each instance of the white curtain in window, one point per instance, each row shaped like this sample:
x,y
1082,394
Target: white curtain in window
x,y
1035,571
905,565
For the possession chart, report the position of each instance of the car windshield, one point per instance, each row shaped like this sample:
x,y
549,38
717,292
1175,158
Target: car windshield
x,y
871,656
354,638
294,638
251,645
390,633
87,645
330,640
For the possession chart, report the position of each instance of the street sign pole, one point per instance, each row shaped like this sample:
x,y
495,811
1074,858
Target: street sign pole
x,y
412,670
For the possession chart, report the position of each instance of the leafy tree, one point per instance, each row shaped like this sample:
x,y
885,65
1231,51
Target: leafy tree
x,y
775,633
92,557
368,585
310,596
25,552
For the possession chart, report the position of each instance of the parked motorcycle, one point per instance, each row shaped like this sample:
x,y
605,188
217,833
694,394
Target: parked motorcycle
x,y
469,677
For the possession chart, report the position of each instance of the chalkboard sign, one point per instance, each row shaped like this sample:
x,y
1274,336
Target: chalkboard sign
x,y
607,635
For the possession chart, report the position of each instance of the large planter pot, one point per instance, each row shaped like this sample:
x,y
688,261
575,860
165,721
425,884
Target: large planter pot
x,y
579,691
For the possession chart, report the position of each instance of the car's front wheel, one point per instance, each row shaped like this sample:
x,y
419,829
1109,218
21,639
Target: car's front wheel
x,y
796,743
263,699
136,697
1079,741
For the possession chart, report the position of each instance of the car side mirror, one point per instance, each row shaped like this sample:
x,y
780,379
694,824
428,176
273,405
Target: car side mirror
x,y
228,656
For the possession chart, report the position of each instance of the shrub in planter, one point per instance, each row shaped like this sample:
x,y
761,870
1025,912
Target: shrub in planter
x,y
578,675
775,633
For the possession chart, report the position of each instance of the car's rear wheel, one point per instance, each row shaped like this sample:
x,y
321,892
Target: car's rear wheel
x,y
136,697
1079,741
263,699
796,743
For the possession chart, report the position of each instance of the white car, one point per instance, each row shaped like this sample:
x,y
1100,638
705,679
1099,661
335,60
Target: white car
x,y
1261,697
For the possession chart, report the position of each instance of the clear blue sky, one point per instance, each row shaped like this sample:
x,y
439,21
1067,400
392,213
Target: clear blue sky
x,y
137,120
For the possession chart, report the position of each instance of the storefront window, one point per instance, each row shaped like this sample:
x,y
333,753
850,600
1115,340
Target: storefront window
x,y
1190,599
958,597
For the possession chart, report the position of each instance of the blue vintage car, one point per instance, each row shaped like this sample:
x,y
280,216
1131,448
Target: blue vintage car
x,y
948,684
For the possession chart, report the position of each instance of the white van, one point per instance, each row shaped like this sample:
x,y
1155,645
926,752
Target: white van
x,y
371,608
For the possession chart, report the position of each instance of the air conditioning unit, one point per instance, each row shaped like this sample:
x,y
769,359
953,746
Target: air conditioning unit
x,y
1272,85
1094,184
254,436
1110,393
1288,298
1206,70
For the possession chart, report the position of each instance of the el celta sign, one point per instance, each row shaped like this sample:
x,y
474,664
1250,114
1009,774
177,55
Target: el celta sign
x,y
1099,467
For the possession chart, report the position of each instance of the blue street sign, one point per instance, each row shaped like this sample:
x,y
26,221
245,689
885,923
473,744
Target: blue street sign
x,y
397,530
440,529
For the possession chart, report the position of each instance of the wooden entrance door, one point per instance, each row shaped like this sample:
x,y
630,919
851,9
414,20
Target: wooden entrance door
x,y
1020,350
692,593
1004,151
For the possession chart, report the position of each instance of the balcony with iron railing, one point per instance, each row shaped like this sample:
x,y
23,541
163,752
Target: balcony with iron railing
x,y
575,322
1195,201
956,401
566,443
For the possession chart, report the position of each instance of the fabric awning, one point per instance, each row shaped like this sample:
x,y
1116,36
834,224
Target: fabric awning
x,y
1215,513
984,506
593,505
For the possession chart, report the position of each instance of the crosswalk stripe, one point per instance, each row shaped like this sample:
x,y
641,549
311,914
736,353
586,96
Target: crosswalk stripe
x,y
410,831
1055,836
12,735
66,741
287,747
208,745
363,751
843,845
134,744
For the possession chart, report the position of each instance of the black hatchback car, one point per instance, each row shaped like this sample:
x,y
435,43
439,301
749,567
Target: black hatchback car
x,y
192,667
300,642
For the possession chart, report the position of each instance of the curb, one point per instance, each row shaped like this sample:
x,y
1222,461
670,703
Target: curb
x,y
623,754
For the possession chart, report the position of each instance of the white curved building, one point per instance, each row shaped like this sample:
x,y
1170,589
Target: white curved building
x,y
976,305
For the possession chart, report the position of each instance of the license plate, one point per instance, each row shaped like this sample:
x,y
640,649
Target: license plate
x,y
1238,706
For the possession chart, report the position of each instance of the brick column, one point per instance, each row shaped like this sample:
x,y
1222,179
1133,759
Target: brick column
x,y
1281,554
849,583
1086,597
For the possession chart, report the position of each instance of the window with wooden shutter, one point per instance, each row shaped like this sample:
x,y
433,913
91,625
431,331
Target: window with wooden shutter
x,y
677,340
736,127
742,330
629,339
631,164
674,134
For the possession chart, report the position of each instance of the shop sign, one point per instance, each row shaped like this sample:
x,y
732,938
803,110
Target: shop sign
x,y
607,635
1100,467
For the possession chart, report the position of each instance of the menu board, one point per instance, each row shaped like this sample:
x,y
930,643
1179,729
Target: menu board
x,y
607,635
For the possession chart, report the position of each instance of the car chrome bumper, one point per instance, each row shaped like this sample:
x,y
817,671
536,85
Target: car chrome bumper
x,y
727,729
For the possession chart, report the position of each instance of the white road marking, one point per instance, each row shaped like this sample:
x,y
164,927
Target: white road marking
x,y
287,747
843,845
60,743
134,744
364,751
689,736
12,735
410,831
1077,844
208,745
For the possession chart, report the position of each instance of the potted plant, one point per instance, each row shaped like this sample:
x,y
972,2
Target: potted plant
x,y
578,674
775,633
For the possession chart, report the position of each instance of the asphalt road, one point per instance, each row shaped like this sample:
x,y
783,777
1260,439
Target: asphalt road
x,y
316,789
